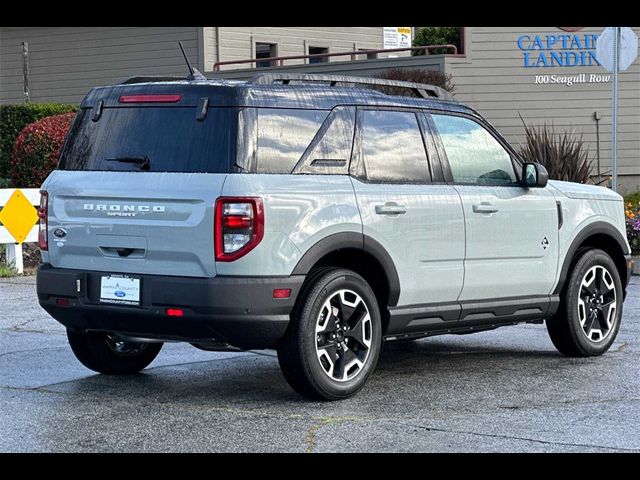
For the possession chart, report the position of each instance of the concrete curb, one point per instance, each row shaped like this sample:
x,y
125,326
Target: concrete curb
x,y
636,270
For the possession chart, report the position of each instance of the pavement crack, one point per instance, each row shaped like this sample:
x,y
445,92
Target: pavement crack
x,y
513,437
31,350
310,438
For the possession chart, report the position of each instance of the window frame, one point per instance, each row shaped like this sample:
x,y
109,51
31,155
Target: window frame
x,y
444,160
356,165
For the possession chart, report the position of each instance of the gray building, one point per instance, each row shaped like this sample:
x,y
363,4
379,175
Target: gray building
x,y
546,74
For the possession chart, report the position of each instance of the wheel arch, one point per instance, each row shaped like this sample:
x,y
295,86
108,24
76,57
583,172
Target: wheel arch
x,y
600,235
359,253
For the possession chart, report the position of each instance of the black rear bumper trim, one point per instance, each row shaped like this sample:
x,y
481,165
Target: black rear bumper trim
x,y
237,310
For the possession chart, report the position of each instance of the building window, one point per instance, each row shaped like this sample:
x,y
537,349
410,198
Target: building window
x,y
318,51
266,50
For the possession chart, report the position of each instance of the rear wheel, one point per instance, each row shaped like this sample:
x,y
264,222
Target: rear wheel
x,y
590,310
335,336
106,353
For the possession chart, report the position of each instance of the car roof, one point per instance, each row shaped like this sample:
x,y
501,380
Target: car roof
x,y
230,93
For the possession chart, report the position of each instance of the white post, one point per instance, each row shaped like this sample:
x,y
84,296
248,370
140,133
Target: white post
x,y
614,113
14,256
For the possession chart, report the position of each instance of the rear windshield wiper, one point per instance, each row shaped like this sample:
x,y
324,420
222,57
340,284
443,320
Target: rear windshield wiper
x,y
143,161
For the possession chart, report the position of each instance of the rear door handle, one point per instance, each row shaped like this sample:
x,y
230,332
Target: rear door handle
x,y
391,209
485,207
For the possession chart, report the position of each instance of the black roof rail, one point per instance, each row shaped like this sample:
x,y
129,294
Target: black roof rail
x,y
132,80
420,90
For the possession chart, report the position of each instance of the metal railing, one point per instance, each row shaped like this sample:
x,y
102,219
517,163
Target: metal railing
x,y
280,61
14,250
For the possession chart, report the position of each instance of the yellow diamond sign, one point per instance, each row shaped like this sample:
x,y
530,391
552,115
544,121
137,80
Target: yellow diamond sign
x,y
18,216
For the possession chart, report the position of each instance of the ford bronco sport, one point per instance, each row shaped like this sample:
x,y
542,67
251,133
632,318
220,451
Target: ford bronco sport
x,y
315,215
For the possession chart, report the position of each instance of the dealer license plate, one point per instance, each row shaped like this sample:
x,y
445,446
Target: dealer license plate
x,y
120,290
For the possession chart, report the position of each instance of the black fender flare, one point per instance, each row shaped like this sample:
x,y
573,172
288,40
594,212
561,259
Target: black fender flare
x,y
594,228
355,240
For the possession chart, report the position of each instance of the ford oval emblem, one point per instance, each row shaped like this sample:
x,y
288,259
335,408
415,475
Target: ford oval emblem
x,y
120,294
59,233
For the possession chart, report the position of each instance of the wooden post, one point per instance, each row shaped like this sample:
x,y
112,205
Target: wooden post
x,y
25,71
14,257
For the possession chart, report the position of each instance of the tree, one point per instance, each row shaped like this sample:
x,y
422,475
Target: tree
x,y
437,36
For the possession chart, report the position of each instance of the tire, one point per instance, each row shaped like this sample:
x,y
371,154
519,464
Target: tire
x,y
314,353
584,325
100,352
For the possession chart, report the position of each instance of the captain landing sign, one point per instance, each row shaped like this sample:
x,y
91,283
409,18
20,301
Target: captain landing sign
x,y
558,50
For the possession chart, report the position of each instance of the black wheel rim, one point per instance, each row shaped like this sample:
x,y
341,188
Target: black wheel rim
x,y
123,348
597,307
343,335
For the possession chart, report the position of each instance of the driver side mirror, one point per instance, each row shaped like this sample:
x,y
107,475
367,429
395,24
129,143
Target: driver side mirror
x,y
534,175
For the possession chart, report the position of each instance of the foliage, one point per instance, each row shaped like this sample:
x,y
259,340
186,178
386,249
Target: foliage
x,y
13,118
37,148
564,155
437,36
632,220
5,183
417,75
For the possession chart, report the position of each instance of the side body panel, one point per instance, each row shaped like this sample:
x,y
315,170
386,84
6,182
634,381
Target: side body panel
x,y
300,210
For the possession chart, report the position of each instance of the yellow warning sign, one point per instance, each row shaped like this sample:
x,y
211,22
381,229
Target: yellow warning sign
x,y
18,216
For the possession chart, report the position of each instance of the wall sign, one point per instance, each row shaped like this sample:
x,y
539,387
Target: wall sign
x,y
552,55
558,50
396,37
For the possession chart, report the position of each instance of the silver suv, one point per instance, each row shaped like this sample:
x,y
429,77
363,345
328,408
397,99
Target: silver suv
x,y
316,215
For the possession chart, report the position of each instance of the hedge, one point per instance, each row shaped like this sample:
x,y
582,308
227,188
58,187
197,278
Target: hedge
x,y
37,149
13,119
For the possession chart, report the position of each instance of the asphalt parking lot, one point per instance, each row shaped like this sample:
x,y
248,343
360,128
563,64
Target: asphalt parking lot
x,y
505,390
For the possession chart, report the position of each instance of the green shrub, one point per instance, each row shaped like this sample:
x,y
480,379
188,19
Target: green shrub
x,y
37,149
437,36
13,119
416,75
564,155
5,183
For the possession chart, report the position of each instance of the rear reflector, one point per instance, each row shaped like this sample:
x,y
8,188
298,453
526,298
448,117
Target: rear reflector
x,y
282,293
174,312
150,98
62,302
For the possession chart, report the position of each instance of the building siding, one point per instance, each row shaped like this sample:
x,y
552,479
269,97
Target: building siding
x,y
238,43
492,79
66,62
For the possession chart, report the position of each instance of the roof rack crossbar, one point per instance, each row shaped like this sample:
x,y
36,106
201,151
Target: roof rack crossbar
x,y
420,90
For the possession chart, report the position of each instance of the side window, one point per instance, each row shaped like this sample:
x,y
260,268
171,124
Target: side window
x,y
283,136
330,150
474,155
392,147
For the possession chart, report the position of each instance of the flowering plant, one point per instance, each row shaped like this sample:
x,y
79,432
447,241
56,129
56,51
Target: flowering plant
x,y
632,218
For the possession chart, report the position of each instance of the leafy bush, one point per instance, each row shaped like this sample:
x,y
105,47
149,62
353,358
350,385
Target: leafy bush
x,y
564,155
5,183
416,75
37,149
437,36
632,217
13,118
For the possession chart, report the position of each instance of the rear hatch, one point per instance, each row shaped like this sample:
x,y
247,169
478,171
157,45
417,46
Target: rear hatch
x,y
137,182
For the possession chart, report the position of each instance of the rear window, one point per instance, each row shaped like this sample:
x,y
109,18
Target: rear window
x,y
156,139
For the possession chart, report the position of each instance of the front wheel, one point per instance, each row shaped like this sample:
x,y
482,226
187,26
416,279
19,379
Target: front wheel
x,y
334,339
106,353
590,310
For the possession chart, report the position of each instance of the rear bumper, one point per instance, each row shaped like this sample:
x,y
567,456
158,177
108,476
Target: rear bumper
x,y
237,310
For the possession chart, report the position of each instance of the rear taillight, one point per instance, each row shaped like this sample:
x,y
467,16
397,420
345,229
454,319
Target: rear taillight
x,y
239,226
43,220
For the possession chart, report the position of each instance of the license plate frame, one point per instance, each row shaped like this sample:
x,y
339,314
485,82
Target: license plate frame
x,y
121,290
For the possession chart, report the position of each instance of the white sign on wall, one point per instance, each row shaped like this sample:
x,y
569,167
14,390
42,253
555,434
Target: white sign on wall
x,y
396,37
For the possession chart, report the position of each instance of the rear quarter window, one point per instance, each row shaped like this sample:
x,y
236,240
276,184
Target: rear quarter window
x,y
283,136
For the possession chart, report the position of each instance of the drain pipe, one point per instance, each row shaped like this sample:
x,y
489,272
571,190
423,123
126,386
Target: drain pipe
x,y
597,116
